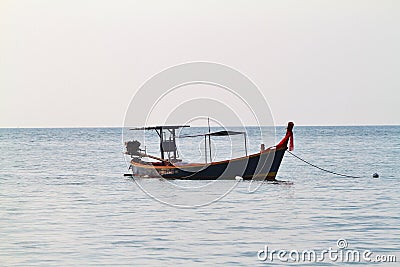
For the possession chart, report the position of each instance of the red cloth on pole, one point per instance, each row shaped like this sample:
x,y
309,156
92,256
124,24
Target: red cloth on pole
x,y
289,135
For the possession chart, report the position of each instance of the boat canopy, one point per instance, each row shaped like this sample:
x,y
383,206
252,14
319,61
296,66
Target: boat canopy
x,y
219,133
167,143
166,127
223,133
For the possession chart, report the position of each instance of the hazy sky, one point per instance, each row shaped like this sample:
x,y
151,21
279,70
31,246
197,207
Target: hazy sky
x,y
78,62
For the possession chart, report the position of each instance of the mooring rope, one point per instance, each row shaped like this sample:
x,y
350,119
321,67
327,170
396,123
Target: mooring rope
x,y
322,169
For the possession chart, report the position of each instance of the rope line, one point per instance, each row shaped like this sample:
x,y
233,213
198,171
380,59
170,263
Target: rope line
x,y
322,169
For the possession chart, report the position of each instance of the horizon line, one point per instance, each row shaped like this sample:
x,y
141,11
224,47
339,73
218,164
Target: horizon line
x,y
92,127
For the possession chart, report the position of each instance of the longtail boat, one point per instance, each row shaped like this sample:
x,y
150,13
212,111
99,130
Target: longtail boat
x,y
263,165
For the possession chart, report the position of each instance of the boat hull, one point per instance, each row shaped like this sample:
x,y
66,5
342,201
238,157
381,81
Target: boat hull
x,y
260,166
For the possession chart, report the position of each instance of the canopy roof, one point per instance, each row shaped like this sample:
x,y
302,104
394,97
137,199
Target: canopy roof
x,y
223,133
219,133
170,127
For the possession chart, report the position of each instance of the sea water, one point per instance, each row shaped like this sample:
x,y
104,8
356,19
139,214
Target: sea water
x,y
65,202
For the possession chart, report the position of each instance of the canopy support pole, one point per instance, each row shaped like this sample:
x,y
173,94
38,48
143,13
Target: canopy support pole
x,y
161,142
205,147
209,144
245,142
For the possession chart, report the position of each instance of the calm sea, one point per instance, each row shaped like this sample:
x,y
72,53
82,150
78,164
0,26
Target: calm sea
x,y
64,202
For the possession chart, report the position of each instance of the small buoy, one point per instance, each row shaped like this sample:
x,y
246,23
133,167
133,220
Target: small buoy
x,y
239,178
375,175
